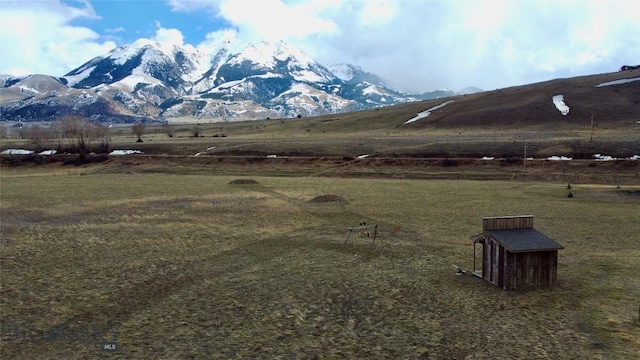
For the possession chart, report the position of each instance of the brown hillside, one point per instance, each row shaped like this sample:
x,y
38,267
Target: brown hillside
x,y
532,105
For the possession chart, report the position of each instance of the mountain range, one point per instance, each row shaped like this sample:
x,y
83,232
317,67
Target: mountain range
x,y
148,81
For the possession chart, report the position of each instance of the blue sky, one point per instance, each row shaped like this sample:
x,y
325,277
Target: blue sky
x,y
126,21
421,45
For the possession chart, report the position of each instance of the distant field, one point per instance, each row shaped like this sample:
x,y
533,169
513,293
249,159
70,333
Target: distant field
x,y
373,143
494,123
182,264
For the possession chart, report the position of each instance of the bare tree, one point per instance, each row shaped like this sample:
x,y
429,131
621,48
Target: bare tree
x,y
196,131
23,132
101,132
78,130
168,129
90,134
56,130
3,131
68,129
138,129
37,135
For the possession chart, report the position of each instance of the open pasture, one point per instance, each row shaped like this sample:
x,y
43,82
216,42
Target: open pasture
x,y
190,266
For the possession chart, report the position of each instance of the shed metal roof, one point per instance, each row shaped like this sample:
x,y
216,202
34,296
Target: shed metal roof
x,y
524,240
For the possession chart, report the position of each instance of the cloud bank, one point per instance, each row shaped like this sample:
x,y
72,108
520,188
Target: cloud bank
x,y
425,45
37,38
420,45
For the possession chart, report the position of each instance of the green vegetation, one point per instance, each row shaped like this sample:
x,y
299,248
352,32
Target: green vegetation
x,y
192,266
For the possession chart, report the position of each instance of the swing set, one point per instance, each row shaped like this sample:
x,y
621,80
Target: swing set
x,y
365,230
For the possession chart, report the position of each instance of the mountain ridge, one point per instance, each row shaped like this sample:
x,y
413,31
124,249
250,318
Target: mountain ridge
x,y
233,80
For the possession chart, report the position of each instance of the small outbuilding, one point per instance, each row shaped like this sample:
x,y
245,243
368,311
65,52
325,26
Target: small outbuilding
x,y
515,255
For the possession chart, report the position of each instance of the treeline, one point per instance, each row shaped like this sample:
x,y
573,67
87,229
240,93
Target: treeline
x,y
71,134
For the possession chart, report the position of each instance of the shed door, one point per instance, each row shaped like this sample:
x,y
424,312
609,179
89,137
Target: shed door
x,y
494,257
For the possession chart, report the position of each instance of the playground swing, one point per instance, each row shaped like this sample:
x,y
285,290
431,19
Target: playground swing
x,y
363,231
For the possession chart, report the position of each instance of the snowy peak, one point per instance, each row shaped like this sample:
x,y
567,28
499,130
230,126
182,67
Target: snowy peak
x,y
469,90
150,79
170,64
121,55
352,74
345,72
267,54
279,58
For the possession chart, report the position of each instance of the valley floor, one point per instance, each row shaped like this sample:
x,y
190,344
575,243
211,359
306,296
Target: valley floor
x,y
161,258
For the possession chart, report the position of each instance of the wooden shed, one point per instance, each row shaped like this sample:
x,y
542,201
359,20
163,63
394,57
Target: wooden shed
x,y
515,255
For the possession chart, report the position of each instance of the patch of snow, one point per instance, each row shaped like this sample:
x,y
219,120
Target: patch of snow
x,y
230,84
342,71
603,157
307,76
558,101
618,82
132,81
272,156
487,158
26,89
363,156
74,79
557,158
268,75
123,54
48,152
17,152
372,89
635,157
427,112
125,152
204,152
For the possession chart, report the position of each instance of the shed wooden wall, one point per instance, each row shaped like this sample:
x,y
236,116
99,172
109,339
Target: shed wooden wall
x,y
513,271
507,222
530,269
492,261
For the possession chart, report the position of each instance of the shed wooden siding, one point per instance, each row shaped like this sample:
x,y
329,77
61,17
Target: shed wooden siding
x,y
493,257
513,271
532,269
507,222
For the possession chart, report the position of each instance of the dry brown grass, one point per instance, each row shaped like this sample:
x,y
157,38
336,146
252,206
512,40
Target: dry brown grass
x,y
190,267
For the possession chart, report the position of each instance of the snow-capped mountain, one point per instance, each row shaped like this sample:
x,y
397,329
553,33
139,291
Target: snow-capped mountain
x,y
352,74
146,80
469,90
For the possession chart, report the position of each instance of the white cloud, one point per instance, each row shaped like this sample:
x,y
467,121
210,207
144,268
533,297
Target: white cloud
x,y
39,39
191,5
378,12
115,30
424,45
437,44
274,20
168,36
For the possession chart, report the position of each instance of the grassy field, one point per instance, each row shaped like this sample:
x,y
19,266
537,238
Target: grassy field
x,y
174,265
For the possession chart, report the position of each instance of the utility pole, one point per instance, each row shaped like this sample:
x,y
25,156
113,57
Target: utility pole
x,y
591,138
524,160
